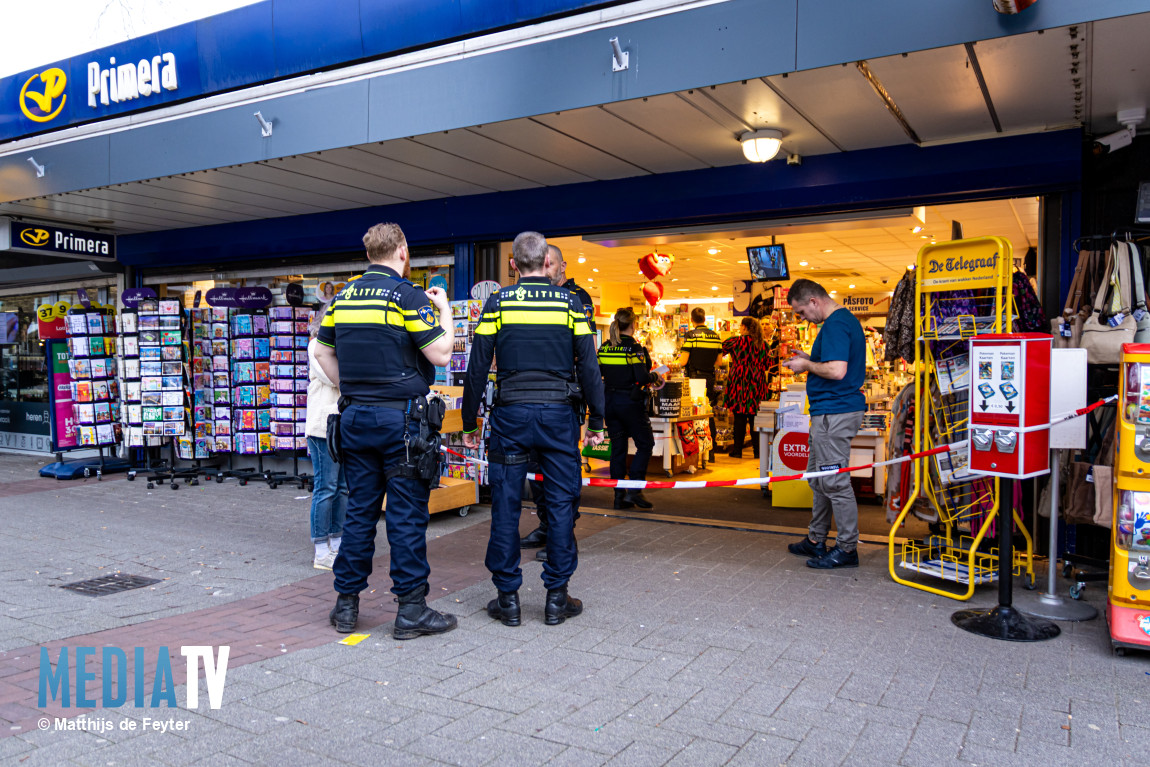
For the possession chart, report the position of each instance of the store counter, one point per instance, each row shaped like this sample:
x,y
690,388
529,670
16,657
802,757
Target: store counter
x,y
868,446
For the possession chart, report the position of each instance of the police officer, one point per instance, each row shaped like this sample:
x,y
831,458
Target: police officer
x,y
538,537
379,342
538,334
701,348
626,368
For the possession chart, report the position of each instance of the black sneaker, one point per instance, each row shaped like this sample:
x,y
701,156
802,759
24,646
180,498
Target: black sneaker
x,y
805,548
835,558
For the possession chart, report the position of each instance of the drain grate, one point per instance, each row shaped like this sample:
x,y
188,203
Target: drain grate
x,y
109,584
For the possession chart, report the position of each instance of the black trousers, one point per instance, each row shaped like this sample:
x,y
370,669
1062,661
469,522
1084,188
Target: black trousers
x,y
743,423
625,419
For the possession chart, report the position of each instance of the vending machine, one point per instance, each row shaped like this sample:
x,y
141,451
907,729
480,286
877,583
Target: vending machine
x,y
1128,604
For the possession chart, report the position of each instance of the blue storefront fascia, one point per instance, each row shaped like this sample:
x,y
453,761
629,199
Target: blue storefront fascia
x,y
895,176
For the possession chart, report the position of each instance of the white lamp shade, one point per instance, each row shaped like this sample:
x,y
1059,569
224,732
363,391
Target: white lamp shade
x,y
761,145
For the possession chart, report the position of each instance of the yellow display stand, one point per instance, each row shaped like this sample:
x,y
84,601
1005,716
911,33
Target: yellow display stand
x,y
789,456
1128,602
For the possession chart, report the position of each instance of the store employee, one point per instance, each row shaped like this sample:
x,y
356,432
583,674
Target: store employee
x,y
836,370
701,348
379,342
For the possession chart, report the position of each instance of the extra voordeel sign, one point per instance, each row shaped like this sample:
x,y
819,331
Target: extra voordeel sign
x,y
48,240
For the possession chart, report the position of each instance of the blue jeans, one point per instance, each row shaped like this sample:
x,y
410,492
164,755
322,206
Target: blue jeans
x,y
329,493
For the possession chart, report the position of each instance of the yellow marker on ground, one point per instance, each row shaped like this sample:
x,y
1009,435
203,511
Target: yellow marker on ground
x,y
353,639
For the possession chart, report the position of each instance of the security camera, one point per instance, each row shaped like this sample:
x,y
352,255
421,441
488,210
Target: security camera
x,y
1112,142
794,159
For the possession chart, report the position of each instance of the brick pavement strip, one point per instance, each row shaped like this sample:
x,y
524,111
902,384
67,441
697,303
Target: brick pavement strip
x,y
697,664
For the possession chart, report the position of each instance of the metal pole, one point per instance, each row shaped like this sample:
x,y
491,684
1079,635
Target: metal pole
x,y
1052,552
1005,542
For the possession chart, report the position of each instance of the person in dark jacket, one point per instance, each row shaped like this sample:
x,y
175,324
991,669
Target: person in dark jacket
x,y
626,368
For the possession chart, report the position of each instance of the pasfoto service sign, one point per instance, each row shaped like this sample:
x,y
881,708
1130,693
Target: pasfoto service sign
x,y
46,240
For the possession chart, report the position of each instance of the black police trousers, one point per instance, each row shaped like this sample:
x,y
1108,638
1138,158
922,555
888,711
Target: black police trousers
x,y
372,444
625,419
550,431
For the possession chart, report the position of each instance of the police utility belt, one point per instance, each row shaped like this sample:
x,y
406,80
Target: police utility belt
x,y
421,438
518,389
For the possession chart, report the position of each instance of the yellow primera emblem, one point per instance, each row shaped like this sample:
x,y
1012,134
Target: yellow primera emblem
x,y
37,105
34,237
520,294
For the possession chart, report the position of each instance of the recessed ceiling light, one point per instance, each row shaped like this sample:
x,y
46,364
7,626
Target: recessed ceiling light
x,y
595,269
850,286
826,250
833,292
802,263
916,230
590,279
674,279
910,266
714,287
713,251
744,261
924,236
682,290
582,259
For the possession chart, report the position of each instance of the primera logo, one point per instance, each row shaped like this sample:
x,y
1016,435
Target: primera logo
x,y
34,237
37,105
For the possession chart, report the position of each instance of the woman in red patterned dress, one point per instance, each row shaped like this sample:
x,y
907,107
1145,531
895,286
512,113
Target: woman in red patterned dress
x,y
746,381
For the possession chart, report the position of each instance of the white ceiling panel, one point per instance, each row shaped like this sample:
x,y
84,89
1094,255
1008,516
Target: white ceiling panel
x,y
1119,70
493,153
599,128
1029,79
450,164
201,184
279,172
690,130
237,178
317,167
181,213
369,159
755,106
841,102
542,140
937,92
193,202
56,210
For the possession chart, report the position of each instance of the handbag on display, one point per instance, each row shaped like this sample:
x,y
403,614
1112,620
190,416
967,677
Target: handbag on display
x,y
1104,334
1067,328
1078,502
1141,315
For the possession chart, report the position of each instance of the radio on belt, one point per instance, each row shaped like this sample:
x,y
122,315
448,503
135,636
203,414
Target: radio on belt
x,y
1010,404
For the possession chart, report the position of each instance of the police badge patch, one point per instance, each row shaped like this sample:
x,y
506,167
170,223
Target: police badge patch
x,y
427,315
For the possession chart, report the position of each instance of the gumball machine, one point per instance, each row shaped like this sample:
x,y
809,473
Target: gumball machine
x,y
1128,604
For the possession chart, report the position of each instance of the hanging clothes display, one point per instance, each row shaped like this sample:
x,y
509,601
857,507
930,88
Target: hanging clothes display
x,y
899,333
1031,318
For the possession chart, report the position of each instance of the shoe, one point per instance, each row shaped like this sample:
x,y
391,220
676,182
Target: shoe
x,y
733,454
324,562
805,548
711,457
415,618
345,614
505,607
534,539
541,555
621,501
637,498
560,607
835,558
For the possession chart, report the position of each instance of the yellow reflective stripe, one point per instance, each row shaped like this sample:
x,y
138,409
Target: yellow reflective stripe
x,y
581,328
417,326
367,317
533,318
486,328
328,321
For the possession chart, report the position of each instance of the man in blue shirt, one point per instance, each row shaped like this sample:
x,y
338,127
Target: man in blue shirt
x,y
835,368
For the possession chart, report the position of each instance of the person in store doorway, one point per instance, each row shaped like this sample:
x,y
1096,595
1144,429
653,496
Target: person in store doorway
x,y
537,538
329,483
835,368
380,342
746,382
627,374
547,369
701,349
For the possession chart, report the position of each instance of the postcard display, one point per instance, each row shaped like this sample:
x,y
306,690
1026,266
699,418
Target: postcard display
x,y
465,317
289,375
153,373
94,388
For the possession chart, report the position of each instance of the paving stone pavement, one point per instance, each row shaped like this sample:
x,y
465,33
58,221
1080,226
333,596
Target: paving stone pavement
x,y
698,646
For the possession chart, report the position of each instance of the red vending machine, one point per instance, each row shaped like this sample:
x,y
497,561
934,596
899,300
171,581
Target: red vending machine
x,y
1010,405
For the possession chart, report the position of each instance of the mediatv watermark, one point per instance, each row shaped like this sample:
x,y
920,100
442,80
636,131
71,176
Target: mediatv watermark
x,y
60,684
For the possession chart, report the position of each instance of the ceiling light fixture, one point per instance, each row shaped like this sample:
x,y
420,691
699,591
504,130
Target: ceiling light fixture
x,y
833,292
682,290
916,230
826,250
761,145
910,267
595,269
802,263
582,259
714,287
713,251
850,286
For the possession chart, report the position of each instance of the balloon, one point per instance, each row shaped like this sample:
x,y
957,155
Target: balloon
x,y
656,265
653,292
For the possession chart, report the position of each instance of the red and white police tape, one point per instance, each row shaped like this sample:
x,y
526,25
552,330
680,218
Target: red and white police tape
x,y
636,484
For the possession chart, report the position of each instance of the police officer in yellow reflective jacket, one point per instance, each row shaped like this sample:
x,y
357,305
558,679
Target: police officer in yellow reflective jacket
x,y
379,342
701,349
545,352
626,368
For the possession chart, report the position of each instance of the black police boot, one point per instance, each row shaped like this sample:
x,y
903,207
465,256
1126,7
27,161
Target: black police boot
x,y
416,618
541,555
621,501
560,607
534,539
636,497
505,607
345,613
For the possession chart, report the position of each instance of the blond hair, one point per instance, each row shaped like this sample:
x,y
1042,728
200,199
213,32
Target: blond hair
x,y
624,320
382,241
